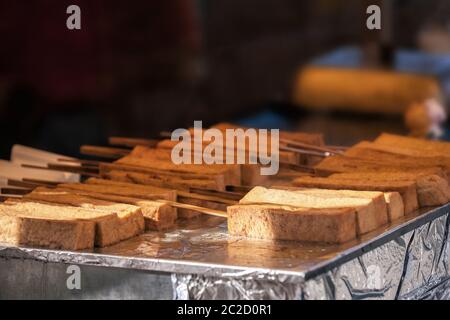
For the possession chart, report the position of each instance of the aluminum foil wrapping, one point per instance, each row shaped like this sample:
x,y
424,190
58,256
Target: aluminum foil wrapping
x,y
414,265
408,259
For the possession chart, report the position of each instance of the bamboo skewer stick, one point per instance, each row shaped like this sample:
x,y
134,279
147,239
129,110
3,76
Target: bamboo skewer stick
x,y
104,152
205,197
308,152
52,167
22,184
224,194
4,197
69,168
212,212
308,146
326,151
15,191
132,142
285,148
94,164
91,163
44,183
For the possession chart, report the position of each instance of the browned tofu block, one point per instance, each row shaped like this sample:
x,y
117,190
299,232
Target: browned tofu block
x,y
370,213
122,189
107,225
157,216
106,170
432,189
130,219
161,159
42,230
428,147
396,209
345,164
400,156
162,181
392,200
274,222
407,189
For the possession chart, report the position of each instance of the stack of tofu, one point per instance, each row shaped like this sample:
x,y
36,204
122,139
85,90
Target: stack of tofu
x,y
77,216
250,173
417,169
373,182
154,167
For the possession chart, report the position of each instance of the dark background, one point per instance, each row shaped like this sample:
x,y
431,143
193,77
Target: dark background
x,y
139,67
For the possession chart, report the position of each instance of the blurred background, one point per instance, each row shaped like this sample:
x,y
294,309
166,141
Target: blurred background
x,y
137,68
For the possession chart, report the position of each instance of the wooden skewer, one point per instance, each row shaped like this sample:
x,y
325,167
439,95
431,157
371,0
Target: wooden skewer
x,y
44,183
205,197
308,146
307,152
104,152
281,148
132,142
69,168
90,163
212,212
223,194
15,191
295,143
64,169
4,197
94,164
22,184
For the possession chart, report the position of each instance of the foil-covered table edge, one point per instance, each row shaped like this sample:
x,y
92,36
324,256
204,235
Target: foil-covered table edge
x,y
211,269
407,261
378,241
